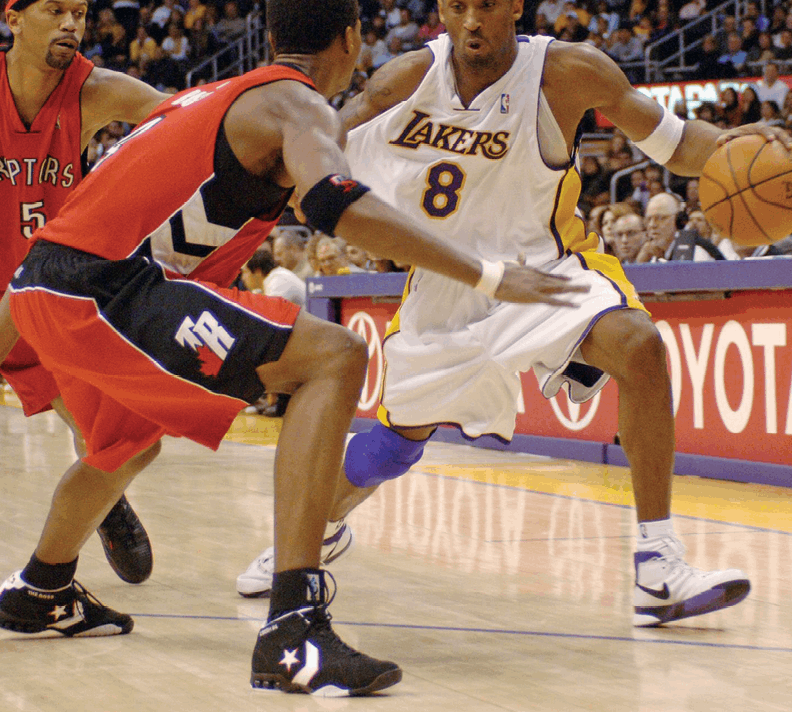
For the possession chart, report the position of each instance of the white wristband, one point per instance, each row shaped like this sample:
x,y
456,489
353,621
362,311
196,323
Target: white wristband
x,y
663,141
491,276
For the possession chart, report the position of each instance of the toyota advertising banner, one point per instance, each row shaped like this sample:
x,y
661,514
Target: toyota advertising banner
x,y
731,371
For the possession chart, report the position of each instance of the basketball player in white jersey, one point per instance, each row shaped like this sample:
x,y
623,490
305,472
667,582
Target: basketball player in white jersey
x,y
475,135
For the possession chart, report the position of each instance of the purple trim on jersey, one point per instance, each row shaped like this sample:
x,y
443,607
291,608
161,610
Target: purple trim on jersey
x,y
604,276
553,228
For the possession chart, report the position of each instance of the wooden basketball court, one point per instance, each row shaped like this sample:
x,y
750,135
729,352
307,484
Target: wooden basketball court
x,y
497,581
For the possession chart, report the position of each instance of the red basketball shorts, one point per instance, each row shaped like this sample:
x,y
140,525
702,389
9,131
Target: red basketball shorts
x,y
137,355
33,384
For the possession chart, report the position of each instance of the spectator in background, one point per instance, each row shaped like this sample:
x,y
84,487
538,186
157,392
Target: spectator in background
x,y
644,29
638,9
262,276
176,45
288,249
432,28
392,50
707,64
610,18
707,111
593,181
112,36
770,87
661,227
127,12
735,57
196,10
551,9
166,13
729,107
142,48
609,217
749,34
372,50
358,257
728,27
389,12
332,258
771,114
692,9
629,236
783,50
578,17
640,188
751,11
232,26
627,47
692,196
764,50
750,107
407,31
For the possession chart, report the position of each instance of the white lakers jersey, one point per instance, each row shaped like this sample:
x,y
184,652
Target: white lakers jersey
x,y
475,175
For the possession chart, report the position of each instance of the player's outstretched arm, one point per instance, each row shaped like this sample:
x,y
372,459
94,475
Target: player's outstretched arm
x,y
391,84
600,84
8,333
313,158
113,96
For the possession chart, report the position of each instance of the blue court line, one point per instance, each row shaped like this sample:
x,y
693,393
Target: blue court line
x,y
498,631
596,501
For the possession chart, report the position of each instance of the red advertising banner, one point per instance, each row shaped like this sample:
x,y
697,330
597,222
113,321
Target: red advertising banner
x,y
731,371
694,93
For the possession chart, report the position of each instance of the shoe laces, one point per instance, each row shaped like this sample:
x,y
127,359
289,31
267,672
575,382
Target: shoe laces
x,y
83,595
321,617
120,519
672,555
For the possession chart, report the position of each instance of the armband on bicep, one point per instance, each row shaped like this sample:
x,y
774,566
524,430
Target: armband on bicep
x,y
324,204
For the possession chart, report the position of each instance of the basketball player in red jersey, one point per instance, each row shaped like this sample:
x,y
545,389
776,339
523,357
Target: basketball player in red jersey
x,y
119,296
52,100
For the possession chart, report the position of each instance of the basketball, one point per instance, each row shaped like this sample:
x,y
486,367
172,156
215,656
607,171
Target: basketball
x,y
745,191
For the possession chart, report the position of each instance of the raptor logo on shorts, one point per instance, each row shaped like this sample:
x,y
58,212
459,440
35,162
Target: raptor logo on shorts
x,y
208,338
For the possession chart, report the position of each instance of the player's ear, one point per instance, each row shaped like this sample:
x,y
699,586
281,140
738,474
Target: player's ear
x,y
518,6
13,20
440,12
352,40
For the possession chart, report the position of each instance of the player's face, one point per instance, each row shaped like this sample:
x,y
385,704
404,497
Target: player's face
x,y
53,29
482,31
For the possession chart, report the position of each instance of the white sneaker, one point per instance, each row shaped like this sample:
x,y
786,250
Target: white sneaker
x,y
668,589
257,578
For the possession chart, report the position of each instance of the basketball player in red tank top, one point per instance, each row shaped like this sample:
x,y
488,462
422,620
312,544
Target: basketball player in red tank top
x,y
52,100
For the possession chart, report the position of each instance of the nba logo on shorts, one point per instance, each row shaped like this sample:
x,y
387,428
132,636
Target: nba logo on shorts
x,y
504,103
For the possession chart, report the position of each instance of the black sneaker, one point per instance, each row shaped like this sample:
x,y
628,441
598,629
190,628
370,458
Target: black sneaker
x,y
300,652
70,611
126,544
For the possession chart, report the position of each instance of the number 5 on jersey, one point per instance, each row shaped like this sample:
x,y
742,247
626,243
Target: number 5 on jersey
x,y
444,181
31,217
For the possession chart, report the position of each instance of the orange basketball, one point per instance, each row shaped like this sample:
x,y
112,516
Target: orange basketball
x,y
745,191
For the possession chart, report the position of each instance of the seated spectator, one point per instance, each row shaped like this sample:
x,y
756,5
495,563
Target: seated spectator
x,y
750,106
661,227
706,111
164,14
612,213
288,249
431,29
777,20
729,107
770,87
418,8
90,45
692,196
629,236
262,276
771,114
551,9
390,14
393,50
163,72
407,31
752,11
728,26
332,257
176,45
593,181
141,49
638,9
783,50
232,26
203,42
692,9
112,36
572,14
707,64
735,56
764,50
626,47
604,14
640,188
749,34
644,29
127,13
196,10
358,257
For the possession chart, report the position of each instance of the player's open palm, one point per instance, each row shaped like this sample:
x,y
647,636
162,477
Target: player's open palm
x,y
526,285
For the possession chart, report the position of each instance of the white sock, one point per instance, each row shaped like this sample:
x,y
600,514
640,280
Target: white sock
x,y
650,532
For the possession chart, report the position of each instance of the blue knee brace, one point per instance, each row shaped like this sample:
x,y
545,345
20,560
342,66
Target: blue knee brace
x,y
380,454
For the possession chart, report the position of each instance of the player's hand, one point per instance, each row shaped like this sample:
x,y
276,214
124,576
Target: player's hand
x,y
771,133
526,285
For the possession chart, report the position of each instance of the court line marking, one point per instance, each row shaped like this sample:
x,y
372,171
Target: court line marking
x,y
498,631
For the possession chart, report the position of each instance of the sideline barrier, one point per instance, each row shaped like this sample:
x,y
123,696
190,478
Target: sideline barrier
x,y
728,332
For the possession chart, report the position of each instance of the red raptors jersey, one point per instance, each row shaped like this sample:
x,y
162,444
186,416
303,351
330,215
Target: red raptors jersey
x,y
173,190
40,166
